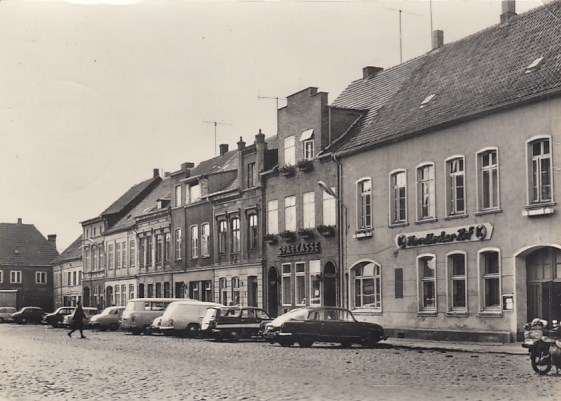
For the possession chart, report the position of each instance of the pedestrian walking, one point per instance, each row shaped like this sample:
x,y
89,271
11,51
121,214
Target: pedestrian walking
x,y
78,321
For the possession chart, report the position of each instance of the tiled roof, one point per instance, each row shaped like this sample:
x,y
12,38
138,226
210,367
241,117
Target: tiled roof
x,y
479,73
272,142
129,196
74,251
23,245
147,205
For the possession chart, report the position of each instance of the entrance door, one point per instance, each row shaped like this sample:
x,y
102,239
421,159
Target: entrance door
x,y
329,285
543,275
272,292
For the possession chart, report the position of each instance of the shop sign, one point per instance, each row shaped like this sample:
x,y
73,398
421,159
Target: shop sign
x,y
476,232
303,248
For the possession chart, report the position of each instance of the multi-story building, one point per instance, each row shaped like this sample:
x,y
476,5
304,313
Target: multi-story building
x,y
67,275
450,183
26,272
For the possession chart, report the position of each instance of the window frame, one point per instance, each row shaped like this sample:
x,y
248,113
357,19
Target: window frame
x,y
309,210
329,208
300,275
421,280
273,224
194,231
236,290
222,236
289,150
419,192
110,257
479,170
452,278
251,175
483,277
40,277
178,244
286,298
393,188
290,216
376,278
252,232
17,274
308,149
364,219
452,187
205,240
178,196
530,171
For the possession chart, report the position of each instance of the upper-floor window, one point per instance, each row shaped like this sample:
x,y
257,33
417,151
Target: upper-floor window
x,y
425,192
368,285
141,252
149,250
110,257
309,210
251,175
308,150
178,244
541,170
235,224
455,186
95,252
87,263
41,277
426,268
252,231
457,282
178,195
159,248
167,247
273,217
1,276
205,236
490,276
398,197
289,151
124,255
329,208
194,193
117,255
290,213
364,203
194,241
488,179
222,236
15,276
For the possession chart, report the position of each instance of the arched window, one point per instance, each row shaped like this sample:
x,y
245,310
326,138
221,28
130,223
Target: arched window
x,y
426,268
368,285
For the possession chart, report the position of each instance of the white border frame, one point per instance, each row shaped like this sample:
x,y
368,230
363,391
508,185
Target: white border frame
x,y
481,290
390,198
478,194
446,188
449,307
419,290
417,203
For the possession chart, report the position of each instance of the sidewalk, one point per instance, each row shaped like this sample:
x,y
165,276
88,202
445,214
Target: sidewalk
x,y
493,348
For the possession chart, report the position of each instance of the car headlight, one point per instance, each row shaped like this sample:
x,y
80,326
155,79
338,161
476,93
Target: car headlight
x,y
269,327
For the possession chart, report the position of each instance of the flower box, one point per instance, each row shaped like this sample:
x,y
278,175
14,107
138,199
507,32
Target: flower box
x,y
288,235
306,233
287,170
364,233
270,239
305,165
326,231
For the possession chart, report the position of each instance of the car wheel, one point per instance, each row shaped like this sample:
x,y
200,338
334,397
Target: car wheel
x,y
234,336
136,332
305,342
23,321
192,330
1,320
102,328
346,344
286,342
541,362
371,340
113,326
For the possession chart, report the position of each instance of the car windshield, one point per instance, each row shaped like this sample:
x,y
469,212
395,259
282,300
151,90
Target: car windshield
x,y
230,312
295,314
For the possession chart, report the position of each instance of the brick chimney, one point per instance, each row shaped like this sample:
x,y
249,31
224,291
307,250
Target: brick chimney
x,y
52,239
370,71
223,148
260,148
241,172
508,10
437,39
19,221
156,172
185,167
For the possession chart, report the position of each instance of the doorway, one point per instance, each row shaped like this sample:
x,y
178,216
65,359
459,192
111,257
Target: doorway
x,y
543,284
272,292
329,285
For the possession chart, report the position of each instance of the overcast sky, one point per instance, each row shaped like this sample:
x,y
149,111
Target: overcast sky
x,y
93,97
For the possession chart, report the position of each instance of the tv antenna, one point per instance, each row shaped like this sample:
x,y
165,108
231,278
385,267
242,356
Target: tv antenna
x,y
216,124
399,11
277,105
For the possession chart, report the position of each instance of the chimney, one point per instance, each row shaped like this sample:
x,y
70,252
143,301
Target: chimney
x,y
223,148
241,144
52,239
241,172
167,174
156,172
260,148
185,168
370,71
508,10
437,39
19,220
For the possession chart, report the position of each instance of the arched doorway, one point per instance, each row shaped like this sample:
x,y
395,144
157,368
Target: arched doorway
x,y
543,284
329,285
272,292
86,296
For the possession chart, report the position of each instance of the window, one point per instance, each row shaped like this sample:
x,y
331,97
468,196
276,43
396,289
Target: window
x,y
222,236
207,291
110,259
167,290
314,268
87,263
398,286
427,283
425,192
117,256
251,175
167,247
205,238
235,223
1,276
41,278
223,287
141,252
15,277
286,284
235,290
488,180
117,295
159,248
94,258
252,231
309,210
368,285
74,278
289,151
178,244
398,197
69,278
300,284
178,195
194,193
457,286
290,213
540,171
490,270
273,217
364,203
455,186
308,150
158,290
123,295
148,250
131,291
124,255
79,278
194,241
329,208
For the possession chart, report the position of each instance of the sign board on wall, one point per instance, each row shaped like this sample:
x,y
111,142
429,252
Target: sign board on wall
x,y
452,235
303,248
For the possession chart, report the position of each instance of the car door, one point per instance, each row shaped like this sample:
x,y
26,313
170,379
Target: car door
x,y
331,325
310,327
349,328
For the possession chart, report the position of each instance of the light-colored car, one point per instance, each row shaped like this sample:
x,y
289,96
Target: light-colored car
x,y
67,321
185,317
141,312
6,313
155,326
108,319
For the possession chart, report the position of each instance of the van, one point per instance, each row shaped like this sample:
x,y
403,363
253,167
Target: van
x,y
184,318
140,312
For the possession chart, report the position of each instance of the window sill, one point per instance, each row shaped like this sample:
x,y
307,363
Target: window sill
x,y
427,314
398,225
366,233
427,221
488,211
491,313
542,209
456,217
457,314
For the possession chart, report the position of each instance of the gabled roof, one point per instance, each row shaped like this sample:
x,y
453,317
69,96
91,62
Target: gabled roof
x,y
23,245
225,162
120,204
73,252
478,74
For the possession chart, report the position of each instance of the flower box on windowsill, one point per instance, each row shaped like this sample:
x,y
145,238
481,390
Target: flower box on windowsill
x,y
288,235
365,233
326,231
306,233
287,170
270,239
305,165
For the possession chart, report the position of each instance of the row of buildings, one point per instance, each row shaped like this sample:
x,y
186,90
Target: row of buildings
x,y
423,198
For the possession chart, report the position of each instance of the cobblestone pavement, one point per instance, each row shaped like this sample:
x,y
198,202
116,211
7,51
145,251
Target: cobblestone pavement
x,y
42,363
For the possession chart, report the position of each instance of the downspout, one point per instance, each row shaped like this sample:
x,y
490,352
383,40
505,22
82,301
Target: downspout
x,y
342,217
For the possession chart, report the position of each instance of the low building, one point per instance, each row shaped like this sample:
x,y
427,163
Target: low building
x,y
67,275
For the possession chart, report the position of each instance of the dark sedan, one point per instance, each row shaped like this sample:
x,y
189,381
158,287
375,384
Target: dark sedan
x,y
233,323
55,318
29,314
322,324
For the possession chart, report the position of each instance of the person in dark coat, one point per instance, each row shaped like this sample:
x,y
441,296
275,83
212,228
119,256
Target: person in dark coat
x,y
78,320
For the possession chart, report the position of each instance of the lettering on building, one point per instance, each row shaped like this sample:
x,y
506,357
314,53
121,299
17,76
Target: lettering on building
x,y
303,248
476,232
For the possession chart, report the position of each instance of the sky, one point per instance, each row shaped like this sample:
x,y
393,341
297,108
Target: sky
x,y
94,95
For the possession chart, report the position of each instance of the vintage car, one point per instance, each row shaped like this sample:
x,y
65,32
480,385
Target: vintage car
x,y
108,319
6,313
28,314
233,323
322,324
55,319
67,321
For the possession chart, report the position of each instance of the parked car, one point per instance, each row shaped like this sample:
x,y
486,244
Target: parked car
x,y
141,312
155,326
6,313
233,323
28,314
90,312
184,318
322,324
55,319
108,319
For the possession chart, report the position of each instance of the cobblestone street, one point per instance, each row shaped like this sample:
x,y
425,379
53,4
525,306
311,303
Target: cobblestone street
x,y
38,362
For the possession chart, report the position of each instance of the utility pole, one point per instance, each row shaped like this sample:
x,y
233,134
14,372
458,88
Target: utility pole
x,y
400,35
215,123
277,105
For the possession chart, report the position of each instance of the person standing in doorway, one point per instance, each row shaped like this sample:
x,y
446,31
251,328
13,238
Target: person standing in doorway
x,y
78,321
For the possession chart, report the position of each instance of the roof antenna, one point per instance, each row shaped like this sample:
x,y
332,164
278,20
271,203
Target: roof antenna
x,y
215,123
277,109
400,36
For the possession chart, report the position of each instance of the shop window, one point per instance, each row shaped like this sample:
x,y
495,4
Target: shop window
x,y
368,285
364,203
426,265
223,290
289,151
425,192
329,208
205,239
488,180
541,171
398,197
194,242
252,231
235,243
273,217
455,186
300,284
235,290
178,244
286,284
314,267
457,282
490,271
222,237
309,210
194,290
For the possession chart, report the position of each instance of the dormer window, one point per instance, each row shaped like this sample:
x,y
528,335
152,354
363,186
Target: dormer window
x,y
307,139
536,64
427,100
